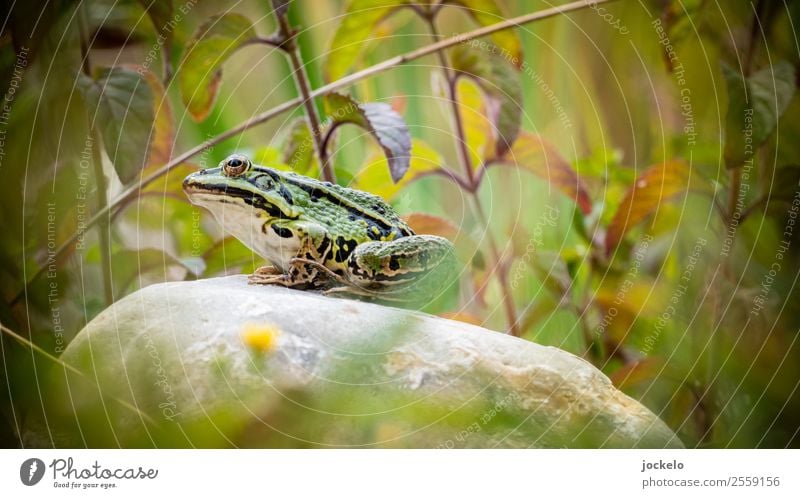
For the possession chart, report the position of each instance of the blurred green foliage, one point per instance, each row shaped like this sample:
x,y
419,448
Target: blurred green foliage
x,y
644,217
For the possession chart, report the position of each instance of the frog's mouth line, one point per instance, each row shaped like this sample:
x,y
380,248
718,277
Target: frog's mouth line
x,y
225,193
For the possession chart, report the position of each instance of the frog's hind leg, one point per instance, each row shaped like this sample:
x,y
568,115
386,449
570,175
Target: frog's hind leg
x,y
302,271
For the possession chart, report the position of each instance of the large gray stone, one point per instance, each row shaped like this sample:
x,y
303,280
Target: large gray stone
x,y
169,366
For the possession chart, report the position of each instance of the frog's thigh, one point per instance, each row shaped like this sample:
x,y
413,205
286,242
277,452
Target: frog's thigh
x,y
315,245
397,262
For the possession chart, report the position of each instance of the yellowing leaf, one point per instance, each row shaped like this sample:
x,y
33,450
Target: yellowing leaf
x,y
486,13
656,185
374,175
262,338
621,305
475,118
360,19
500,82
531,152
199,74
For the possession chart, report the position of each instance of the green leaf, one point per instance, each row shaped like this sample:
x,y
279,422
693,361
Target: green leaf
x,y
486,13
298,149
120,103
500,82
531,152
754,106
383,122
161,13
359,21
655,186
199,75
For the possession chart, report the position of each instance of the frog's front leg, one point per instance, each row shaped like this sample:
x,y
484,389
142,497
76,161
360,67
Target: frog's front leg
x,y
314,245
414,268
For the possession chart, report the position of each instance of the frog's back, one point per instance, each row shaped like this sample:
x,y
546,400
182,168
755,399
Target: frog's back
x,y
359,215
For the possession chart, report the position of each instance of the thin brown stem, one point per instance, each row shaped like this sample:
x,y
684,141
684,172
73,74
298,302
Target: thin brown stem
x,y
446,173
452,82
466,162
289,46
265,116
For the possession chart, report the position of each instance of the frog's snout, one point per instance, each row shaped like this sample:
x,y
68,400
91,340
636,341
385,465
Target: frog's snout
x,y
190,181
187,182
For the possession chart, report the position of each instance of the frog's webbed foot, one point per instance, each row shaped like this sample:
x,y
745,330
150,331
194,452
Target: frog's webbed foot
x,y
266,271
267,275
299,275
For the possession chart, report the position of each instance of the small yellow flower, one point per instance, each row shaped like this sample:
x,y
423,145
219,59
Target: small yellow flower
x,y
261,337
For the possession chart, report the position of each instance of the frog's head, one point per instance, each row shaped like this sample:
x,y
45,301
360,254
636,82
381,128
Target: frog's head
x,y
238,186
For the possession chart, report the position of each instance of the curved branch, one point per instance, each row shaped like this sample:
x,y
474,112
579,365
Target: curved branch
x,y
291,104
453,177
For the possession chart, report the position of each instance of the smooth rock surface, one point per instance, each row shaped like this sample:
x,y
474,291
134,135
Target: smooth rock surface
x,y
169,366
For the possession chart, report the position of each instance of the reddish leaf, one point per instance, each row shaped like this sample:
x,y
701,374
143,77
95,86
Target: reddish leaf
x,y
654,186
162,136
423,223
532,153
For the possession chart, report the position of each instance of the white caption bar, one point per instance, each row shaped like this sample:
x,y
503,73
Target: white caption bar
x,y
390,473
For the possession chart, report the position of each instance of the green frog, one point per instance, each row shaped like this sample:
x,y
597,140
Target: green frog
x,y
318,235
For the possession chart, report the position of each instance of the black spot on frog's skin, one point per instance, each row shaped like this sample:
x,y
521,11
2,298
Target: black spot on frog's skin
x,y
282,232
287,196
344,249
378,209
323,248
376,232
394,263
351,217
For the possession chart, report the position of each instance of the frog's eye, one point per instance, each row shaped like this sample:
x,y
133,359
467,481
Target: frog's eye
x,y
235,165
